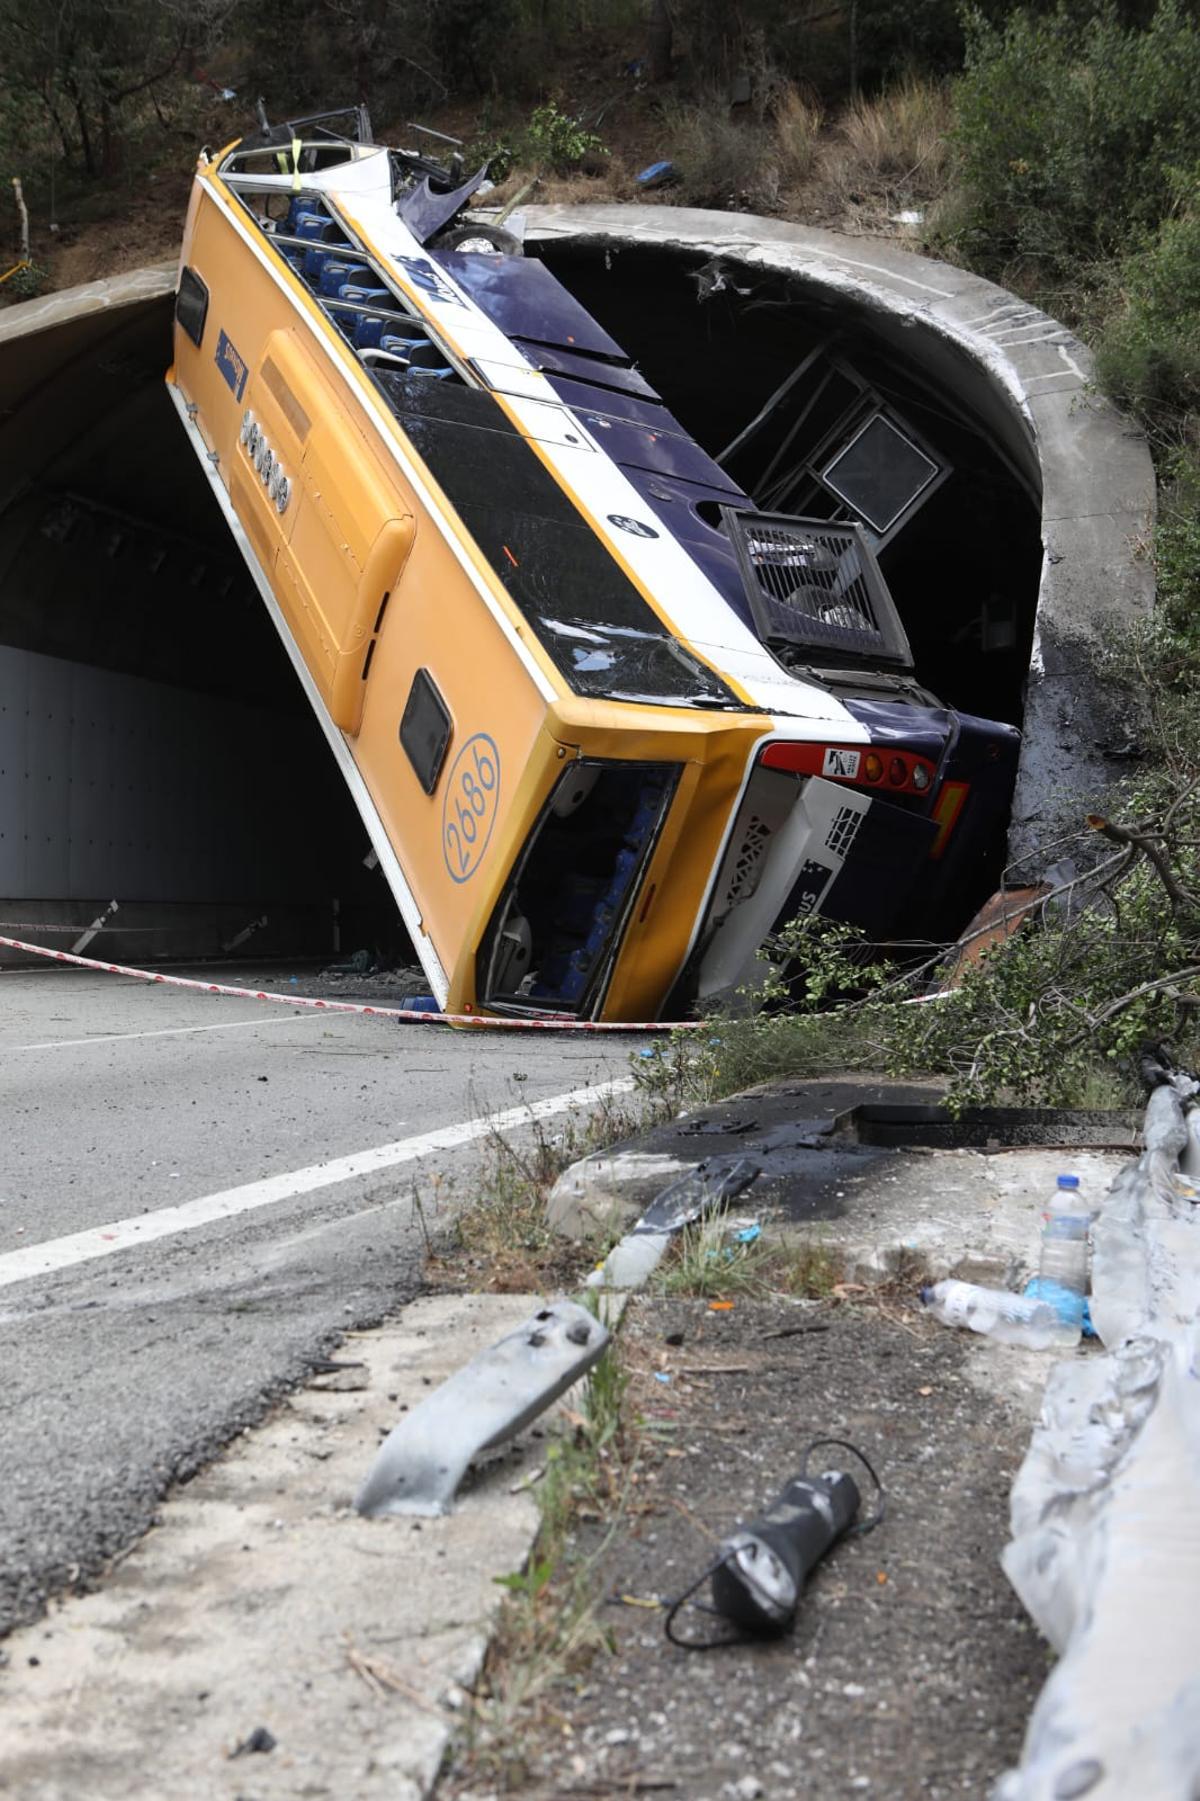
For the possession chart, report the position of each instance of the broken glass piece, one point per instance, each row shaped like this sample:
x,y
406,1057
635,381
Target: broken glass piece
x,y
712,1184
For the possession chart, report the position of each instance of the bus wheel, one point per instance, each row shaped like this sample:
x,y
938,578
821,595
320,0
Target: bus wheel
x,y
479,240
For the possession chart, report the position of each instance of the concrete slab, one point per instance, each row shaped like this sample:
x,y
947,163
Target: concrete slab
x,y
972,1214
783,1126
111,294
261,1600
927,1212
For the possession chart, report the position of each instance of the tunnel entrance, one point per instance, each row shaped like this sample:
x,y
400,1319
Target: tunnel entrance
x,y
719,339
155,745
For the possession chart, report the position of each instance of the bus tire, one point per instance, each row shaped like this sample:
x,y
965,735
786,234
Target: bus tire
x,y
479,240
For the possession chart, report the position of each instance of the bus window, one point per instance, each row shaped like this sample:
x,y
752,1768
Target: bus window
x,y
560,921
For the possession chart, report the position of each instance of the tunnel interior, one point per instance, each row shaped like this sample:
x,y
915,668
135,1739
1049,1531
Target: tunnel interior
x,y
155,745
718,339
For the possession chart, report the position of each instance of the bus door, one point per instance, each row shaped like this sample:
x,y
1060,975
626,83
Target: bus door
x,y
342,533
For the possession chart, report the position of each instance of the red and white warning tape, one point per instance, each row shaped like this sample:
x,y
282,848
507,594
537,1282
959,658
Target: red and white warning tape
x,y
485,1021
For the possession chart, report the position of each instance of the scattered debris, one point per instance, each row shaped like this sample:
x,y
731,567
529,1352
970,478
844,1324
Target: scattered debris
x,y
229,944
657,175
713,277
343,1378
761,1568
797,1331
258,1740
490,1399
97,926
1012,1319
712,1184
380,1677
996,921
361,963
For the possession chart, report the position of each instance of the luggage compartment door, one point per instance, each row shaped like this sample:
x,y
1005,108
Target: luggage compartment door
x,y
346,532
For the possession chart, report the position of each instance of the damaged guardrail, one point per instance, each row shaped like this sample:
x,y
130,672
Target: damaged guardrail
x,y
501,1390
1105,1513
422,1460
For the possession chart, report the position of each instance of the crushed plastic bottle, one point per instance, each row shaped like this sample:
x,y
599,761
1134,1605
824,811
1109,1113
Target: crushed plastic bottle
x,y
996,1313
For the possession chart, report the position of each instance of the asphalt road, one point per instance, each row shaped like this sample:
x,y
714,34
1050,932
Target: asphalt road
x,y
271,1153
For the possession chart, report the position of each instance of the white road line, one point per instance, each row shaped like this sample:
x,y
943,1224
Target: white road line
x,y
226,1025
127,1234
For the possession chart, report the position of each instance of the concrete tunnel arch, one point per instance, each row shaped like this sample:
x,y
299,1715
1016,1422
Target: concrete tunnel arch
x,y
154,747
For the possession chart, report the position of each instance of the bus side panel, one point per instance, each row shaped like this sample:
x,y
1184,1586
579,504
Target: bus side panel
x,y
348,499
464,836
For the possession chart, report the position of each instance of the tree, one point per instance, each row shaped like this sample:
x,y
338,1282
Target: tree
x,y
84,61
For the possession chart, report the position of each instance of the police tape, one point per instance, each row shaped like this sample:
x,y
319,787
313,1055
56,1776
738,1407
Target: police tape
x,y
482,1021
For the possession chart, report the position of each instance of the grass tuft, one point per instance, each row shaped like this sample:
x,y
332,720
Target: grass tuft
x,y
501,1240
550,1629
706,1263
901,135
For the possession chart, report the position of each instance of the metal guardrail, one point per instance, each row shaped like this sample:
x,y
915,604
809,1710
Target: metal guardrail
x,y
1105,1512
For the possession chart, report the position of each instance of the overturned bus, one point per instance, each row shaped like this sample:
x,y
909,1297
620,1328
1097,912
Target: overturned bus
x,y
603,746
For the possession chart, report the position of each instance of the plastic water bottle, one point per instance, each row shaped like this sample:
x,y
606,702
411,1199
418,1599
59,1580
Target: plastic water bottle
x,y
1062,1279
996,1313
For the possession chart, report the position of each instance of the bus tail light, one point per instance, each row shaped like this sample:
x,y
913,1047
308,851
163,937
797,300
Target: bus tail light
x,y
902,771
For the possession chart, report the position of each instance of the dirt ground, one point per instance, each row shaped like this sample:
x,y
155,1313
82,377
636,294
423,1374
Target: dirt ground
x,y
86,230
912,1668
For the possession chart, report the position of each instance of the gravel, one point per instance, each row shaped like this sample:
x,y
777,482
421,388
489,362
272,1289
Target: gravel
x,y
912,1668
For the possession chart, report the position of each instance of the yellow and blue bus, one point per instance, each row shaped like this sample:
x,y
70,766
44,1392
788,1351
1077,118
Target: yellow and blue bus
x,y
607,725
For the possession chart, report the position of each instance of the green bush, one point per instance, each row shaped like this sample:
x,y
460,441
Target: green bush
x,y
1056,1015
26,283
1148,356
555,140
552,142
1072,134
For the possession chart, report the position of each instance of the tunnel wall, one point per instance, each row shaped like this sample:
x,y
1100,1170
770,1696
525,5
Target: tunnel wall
x,y
1028,381
112,785
154,746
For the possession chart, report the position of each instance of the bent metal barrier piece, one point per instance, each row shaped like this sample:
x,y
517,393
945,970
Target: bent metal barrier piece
x,y
712,1184
422,1460
1105,1548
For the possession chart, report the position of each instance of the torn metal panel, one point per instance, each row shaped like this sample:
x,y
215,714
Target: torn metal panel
x,y
425,211
526,301
422,1460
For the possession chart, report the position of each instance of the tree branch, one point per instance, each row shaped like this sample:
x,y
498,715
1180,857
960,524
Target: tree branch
x,y
1146,842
